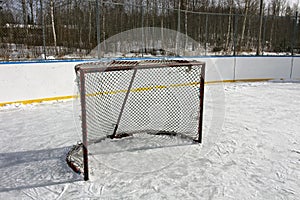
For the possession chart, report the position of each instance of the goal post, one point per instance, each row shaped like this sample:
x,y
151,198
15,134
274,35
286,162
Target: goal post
x,y
125,98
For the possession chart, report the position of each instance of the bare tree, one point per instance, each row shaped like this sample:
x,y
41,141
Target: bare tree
x,y
185,6
90,25
24,9
247,5
72,23
229,26
276,6
177,44
31,12
53,24
258,50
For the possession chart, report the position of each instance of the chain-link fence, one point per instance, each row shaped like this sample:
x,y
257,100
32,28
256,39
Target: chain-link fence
x,y
41,29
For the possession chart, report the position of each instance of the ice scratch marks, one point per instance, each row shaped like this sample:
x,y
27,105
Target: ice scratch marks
x,y
64,189
48,192
96,189
295,151
226,147
288,190
29,195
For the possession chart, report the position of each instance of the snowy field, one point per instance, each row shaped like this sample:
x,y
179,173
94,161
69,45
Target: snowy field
x,y
254,155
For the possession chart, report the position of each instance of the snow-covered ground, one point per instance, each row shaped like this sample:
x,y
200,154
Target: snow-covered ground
x,y
255,153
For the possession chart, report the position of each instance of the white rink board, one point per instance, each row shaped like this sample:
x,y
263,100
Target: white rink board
x,y
263,68
296,69
56,79
27,81
218,68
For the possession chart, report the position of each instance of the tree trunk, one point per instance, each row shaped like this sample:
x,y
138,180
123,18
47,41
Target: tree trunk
x,y
24,9
103,26
186,26
177,43
31,12
53,25
275,9
90,25
258,50
247,3
229,25
162,26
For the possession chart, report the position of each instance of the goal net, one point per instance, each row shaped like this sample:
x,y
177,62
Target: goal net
x,y
129,98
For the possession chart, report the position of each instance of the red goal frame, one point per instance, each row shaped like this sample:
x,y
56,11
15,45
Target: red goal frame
x,y
129,65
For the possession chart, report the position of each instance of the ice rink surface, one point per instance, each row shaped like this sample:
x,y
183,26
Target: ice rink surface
x,y
255,155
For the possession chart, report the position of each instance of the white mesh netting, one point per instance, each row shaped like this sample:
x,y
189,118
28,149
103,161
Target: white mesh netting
x,y
164,98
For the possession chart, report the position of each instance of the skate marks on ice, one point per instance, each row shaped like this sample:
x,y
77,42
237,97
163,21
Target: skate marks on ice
x,y
255,156
134,154
261,140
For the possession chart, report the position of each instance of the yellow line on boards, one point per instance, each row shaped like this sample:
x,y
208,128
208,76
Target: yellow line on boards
x,y
240,80
142,89
124,91
38,100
